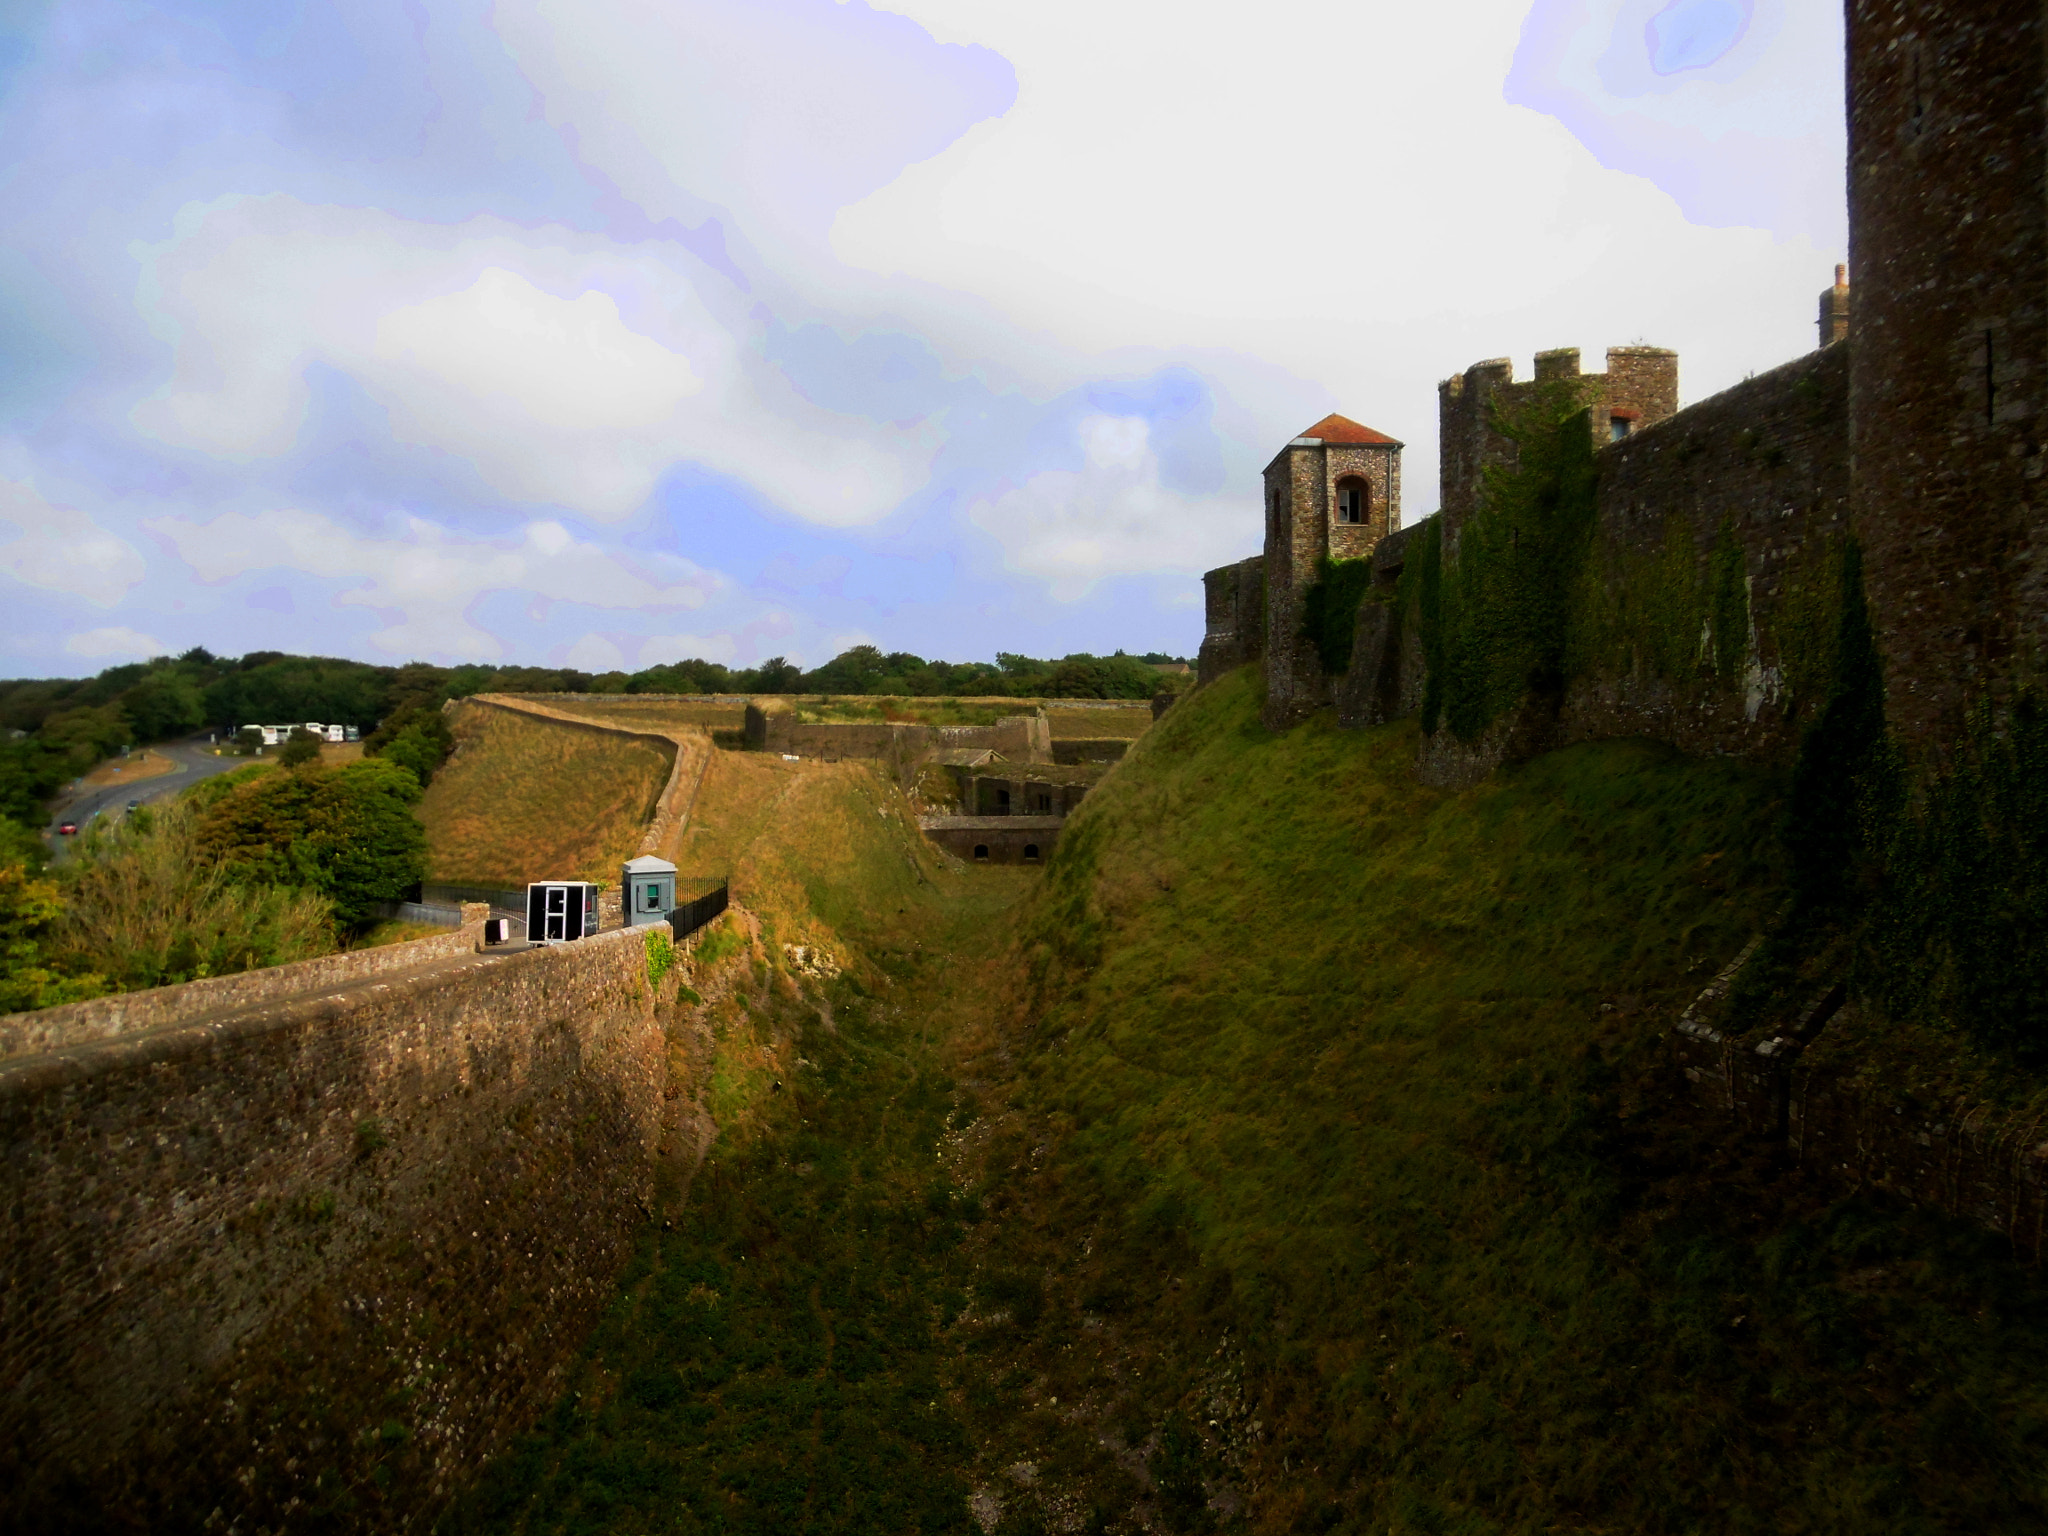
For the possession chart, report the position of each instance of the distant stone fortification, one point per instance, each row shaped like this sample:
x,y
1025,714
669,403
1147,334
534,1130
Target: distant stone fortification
x,y
1916,426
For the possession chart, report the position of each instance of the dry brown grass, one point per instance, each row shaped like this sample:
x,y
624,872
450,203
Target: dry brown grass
x,y
130,770
523,799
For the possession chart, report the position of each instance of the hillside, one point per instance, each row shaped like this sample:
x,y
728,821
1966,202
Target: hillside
x,y
522,798
1295,1154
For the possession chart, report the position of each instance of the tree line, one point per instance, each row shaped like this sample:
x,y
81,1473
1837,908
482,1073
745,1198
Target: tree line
x,y
55,729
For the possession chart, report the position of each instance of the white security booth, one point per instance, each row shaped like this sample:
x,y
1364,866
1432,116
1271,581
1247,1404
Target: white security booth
x,y
558,911
650,887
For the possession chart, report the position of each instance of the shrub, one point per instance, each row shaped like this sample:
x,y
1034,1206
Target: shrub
x,y
146,907
302,747
348,834
29,909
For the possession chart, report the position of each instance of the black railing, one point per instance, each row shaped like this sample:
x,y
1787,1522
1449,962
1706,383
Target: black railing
x,y
688,916
434,894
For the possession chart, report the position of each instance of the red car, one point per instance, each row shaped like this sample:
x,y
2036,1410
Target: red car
x,y
67,829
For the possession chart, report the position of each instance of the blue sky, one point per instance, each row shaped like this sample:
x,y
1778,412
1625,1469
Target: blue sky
x,y
607,332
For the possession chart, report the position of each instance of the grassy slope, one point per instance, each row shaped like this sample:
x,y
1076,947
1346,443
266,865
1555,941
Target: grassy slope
x,y
1356,1081
1274,1165
772,1363
524,799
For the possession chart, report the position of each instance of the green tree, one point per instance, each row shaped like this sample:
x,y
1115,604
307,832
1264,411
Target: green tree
x,y
300,748
348,834
369,846
29,908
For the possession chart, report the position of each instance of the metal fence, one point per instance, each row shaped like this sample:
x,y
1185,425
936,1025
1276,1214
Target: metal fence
x,y
688,916
455,895
420,912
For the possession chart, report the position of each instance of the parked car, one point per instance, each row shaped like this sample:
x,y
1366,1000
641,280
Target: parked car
x,y
67,829
134,805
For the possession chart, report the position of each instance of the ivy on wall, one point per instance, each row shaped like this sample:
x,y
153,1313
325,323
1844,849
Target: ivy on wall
x,y
1329,610
1960,931
1498,620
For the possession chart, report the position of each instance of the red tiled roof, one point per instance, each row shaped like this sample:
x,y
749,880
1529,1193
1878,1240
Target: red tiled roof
x,y
1342,429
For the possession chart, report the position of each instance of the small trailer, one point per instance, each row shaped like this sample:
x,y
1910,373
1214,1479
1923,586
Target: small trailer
x,y
558,911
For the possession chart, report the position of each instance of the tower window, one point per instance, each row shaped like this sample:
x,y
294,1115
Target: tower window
x,y
1354,498
1620,424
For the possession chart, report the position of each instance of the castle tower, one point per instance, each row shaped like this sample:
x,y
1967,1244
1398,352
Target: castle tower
x,y
1948,370
1334,491
1639,388
1834,309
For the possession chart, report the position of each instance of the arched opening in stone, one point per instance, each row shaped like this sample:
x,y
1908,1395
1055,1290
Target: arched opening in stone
x,y
1354,499
1031,853
981,853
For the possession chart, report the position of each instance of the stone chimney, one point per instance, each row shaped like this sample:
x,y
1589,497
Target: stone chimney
x,y
1834,309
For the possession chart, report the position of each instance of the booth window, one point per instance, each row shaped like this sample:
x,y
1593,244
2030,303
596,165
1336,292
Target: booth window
x,y
652,900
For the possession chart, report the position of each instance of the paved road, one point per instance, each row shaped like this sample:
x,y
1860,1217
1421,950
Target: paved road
x,y
195,761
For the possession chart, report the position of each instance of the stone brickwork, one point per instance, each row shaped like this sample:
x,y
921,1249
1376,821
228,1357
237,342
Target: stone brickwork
x,y
125,1013
1639,388
237,1245
1309,520
1804,1088
903,747
1948,241
1234,606
994,839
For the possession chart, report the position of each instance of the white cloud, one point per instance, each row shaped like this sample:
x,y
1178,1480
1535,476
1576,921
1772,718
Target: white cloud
x,y
1072,528
114,643
594,653
426,582
64,550
566,369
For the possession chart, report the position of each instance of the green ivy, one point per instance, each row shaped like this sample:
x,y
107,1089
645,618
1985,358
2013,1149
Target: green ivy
x,y
1329,610
1498,620
1959,934
661,955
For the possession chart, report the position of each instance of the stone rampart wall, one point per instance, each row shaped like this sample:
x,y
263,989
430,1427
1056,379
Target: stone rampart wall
x,y
323,1255
1235,613
1854,1131
125,1013
1764,464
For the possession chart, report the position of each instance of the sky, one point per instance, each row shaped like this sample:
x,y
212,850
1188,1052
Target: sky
x,y
601,333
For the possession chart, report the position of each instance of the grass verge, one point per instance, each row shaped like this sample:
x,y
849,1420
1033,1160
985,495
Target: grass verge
x,y
523,799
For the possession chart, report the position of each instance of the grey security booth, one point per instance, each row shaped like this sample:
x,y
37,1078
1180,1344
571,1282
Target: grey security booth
x,y
650,890
558,911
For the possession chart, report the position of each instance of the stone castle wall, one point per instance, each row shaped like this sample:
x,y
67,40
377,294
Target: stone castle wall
x,y
1234,608
122,1013
264,1249
1639,388
1765,462
901,746
1948,242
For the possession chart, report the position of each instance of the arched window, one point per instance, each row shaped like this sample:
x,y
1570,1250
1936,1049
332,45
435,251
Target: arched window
x,y
1354,499
1031,853
981,853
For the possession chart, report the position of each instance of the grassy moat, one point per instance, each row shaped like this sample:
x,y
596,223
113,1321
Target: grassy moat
x,y
1295,1153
